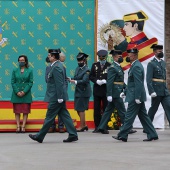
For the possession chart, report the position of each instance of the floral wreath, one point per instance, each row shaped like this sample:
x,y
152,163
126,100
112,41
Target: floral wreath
x,y
114,122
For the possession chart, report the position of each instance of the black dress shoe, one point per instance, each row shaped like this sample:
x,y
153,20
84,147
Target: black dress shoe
x,y
95,131
103,131
83,129
151,139
119,138
34,137
71,139
132,131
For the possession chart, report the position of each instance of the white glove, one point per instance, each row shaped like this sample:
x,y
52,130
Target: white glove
x,y
122,95
109,98
75,82
104,81
99,82
137,101
60,100
153,94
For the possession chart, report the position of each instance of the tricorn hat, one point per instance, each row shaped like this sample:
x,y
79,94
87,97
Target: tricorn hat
x,y
54,51
116,52
81,56
157,47
137,16
133,50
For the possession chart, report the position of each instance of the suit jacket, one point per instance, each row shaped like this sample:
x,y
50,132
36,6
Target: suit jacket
x,y
115,74
135,86
22,82
83,88
156,70
56,87
97,73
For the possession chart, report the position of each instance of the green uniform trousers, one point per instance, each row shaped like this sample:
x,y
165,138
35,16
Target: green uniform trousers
x,y
140,110
54,109
119,105
165,101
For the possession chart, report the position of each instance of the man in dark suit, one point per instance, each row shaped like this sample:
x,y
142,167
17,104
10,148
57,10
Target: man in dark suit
x,y
156,82
56,95
136,97
98,76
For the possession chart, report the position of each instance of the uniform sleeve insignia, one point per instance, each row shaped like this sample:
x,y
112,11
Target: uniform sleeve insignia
x,y
88,72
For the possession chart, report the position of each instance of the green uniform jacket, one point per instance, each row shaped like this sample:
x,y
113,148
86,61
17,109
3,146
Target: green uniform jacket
x,y
22,82
156,70
56,85
83,88
135,87
115,74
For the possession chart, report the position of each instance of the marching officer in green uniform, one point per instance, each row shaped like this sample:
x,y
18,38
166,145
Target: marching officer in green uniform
x,y
156,82
82,90
115,86
136,97
56,95
48,68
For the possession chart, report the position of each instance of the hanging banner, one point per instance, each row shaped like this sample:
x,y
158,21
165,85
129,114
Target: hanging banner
x,y
145,29
33,27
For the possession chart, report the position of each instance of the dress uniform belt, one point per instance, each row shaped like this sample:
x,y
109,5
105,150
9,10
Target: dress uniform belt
x,y
121,83
159,80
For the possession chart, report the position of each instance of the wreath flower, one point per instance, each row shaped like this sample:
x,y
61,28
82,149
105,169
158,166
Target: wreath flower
x,y
114,122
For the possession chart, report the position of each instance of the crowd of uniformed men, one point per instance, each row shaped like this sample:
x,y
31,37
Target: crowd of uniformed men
x,y
109,89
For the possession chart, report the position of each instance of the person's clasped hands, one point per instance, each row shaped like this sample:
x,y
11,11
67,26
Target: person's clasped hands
x,y
20,94
100,82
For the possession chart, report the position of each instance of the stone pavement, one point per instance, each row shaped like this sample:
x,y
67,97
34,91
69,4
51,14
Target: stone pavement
x,y
91,152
